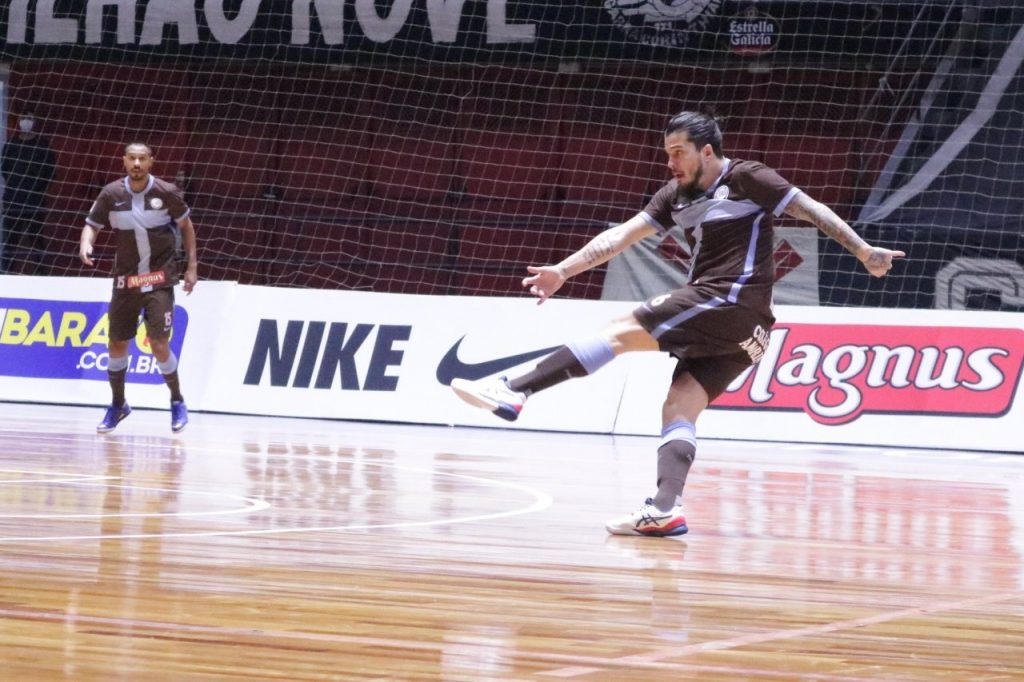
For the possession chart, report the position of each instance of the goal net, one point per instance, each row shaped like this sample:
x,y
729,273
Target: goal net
x,y
440,147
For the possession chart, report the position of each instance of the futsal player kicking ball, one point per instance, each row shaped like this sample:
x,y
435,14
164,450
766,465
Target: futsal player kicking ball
x,y
151,219
716,325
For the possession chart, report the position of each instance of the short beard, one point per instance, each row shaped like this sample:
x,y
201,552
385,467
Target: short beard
x,y
692,190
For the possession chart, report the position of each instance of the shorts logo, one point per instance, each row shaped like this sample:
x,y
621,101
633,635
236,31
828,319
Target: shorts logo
x,y
668,23
836,373
757,345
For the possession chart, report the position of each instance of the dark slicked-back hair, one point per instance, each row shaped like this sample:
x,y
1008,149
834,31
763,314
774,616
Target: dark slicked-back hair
x,y
701,129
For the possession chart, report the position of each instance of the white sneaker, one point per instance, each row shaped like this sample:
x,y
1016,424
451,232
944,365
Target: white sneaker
x,y
651,521
493,395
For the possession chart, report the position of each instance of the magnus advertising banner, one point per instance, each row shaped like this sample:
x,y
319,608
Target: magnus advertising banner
x,y
837,373
916,378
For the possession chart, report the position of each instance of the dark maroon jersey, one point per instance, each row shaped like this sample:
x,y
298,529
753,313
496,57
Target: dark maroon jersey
x,y
147,230
728,230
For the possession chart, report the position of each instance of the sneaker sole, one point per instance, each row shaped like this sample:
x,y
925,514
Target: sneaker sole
x,y
678,530
503,410
104,430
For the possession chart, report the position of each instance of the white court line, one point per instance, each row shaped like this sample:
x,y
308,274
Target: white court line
x,y
76,479
542,501
253,504
597,664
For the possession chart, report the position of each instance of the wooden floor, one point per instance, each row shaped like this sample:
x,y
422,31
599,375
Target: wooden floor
x,y
276,549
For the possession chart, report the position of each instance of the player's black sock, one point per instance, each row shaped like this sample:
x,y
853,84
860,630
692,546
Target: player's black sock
x,y
116,378
577,359
554,369
674,460
172,383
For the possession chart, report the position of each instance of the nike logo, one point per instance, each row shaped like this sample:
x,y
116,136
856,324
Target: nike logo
x,y
119,203
451,367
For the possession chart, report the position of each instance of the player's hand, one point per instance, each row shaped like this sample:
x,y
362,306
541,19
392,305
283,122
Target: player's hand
x,y
878,261
191,277
85,253
544,282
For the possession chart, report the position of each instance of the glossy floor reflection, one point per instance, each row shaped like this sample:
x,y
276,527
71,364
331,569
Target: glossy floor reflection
x,y
261,548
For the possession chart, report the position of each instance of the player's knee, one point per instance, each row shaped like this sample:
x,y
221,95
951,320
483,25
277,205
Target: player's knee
x,y
627,334
685,401
161,348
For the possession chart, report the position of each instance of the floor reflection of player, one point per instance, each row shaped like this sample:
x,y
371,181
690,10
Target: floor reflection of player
x,y
321,486
142,486
669,606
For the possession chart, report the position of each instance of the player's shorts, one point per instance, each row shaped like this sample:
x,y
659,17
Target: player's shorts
x,y
157,307
713,340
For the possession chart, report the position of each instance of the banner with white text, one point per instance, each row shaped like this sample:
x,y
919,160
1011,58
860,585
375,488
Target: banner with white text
x,y
347,31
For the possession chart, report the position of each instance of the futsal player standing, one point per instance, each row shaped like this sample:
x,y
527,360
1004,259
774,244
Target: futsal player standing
x,y
151,220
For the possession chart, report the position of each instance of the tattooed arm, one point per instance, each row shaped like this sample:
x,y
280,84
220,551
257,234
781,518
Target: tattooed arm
x,y
545,280
876,260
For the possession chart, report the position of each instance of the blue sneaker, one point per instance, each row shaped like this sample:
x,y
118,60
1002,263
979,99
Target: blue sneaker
x,y
179,415
113,417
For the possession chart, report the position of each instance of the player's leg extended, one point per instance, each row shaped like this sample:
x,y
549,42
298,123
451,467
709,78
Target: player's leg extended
x,y
505,397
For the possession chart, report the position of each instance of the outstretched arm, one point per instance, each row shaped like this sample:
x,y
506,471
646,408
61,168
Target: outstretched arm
x,y
876,260
545,280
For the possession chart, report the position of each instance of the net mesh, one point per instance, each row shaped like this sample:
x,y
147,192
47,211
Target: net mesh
x,y
439,148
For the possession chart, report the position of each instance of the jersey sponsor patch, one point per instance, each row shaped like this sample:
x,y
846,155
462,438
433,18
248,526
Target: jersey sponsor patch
x,y
145,279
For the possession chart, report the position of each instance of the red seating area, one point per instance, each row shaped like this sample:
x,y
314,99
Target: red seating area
x,y
435,181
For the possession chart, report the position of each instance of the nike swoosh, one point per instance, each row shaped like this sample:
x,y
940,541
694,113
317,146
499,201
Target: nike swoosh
x,y
451,367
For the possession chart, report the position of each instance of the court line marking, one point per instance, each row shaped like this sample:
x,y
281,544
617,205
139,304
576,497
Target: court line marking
x,y
542,501
152,629
584,664
76,479
253,504
659,655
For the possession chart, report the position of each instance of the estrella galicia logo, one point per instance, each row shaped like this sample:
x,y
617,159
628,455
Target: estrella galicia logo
x,y
452,367
68,340
664,23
